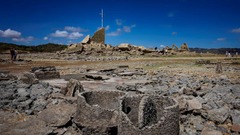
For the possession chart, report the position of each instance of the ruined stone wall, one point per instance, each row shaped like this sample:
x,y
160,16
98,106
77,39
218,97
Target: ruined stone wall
x,y
156,116
47,72
99,36
116,112
129,107
97,112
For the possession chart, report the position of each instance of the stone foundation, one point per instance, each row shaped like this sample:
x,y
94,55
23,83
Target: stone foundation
x,y
48,72
115,112
97,112
149,115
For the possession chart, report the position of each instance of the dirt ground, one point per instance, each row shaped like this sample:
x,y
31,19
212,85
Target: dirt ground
x,y
177,68
175,64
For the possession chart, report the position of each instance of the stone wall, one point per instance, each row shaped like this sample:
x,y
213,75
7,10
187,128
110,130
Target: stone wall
x,y
99,36
156,116
97,112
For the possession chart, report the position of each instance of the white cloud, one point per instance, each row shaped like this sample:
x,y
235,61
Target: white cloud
x,y
118,22
59,33
174,33
20,39
221,39
162,46
45,38
107,27
65,34
10,33
74,29
128,28
120,30
75,35
114,33
237,30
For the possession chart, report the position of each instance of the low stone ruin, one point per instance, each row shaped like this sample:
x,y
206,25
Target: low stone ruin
x,y
40,73
201,61
149,115
4,76
118,113
48,72
184,47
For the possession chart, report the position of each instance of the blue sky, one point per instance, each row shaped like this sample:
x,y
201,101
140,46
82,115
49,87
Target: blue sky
x,y
149,23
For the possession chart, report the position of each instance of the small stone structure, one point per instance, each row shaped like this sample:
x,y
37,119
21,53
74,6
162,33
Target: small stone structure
x,y
149,115
97,112
47,72
202,61
117,113
184,47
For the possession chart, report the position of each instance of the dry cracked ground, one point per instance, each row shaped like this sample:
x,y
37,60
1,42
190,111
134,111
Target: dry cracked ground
x,y
38,93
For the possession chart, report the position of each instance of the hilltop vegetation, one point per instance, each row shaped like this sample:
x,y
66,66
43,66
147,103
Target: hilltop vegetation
x,y
50,47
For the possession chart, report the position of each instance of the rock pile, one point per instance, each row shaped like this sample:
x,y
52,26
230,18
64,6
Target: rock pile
x,y
203,100
24,97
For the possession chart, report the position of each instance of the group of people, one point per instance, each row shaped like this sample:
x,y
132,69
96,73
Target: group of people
x,y
228,54
13,53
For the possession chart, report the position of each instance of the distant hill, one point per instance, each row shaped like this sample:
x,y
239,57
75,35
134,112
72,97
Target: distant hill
x,y
215,50
50,47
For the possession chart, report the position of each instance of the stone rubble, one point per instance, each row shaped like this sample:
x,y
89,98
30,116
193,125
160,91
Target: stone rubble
x,y
207,105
